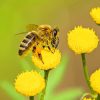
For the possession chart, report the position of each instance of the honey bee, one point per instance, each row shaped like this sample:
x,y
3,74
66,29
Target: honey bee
x,y
39,37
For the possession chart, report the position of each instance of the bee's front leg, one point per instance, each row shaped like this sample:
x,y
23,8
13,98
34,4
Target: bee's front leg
x,y
55,42
50,49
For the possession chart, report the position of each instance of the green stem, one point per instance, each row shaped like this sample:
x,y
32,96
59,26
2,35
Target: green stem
x,y
46,73
98,97
31,97
86,72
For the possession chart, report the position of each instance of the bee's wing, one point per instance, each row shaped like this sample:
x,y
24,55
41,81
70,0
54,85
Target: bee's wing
x,y
31,27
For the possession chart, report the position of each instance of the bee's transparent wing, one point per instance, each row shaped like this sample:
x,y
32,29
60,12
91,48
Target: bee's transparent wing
x,y
31,27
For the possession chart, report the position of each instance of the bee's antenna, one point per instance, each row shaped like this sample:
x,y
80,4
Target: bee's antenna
x,y
20,33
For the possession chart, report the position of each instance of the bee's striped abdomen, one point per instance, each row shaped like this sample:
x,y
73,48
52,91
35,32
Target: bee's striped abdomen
x,y
27,43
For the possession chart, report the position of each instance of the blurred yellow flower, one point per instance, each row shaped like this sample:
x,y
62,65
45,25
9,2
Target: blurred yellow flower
x,y
88,96
82,40
29,83
51,60
88,99
95,81
95,14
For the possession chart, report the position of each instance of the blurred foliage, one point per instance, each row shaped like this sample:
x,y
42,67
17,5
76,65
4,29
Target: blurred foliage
x,y
54,80
10,90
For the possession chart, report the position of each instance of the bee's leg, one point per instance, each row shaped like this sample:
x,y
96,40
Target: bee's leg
x,y
55,42
34,49
43,46
40,57
50,49
38,53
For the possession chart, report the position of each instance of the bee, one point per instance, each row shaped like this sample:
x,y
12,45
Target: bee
x,y
37,38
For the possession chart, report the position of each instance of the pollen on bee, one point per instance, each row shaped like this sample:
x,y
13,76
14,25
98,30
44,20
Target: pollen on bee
x,y
38,50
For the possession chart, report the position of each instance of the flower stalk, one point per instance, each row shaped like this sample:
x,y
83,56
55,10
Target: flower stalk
x,y
98,97
46,73
86,74
31,97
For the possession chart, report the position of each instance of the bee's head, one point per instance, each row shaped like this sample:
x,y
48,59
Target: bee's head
x,y
45,30
55,32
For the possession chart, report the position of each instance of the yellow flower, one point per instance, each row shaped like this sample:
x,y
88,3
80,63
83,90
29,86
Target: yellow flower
x,y
95,14
82,40
88,99
95,81
51,60
88,96
29,83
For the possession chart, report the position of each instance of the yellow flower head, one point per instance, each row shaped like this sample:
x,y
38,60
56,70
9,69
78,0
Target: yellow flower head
x,y
95,81
82,40
29,83
51,60
88,99
95,14
87,96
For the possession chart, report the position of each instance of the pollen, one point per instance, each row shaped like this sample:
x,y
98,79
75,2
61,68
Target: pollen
x,y
95,81
95,14
29,83
38,50
82,40
51,60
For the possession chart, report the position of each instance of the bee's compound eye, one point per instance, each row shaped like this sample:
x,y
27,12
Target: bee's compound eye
x,y
54,32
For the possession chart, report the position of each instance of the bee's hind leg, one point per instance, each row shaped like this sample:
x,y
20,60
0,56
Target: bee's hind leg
x,y
40,57
37,53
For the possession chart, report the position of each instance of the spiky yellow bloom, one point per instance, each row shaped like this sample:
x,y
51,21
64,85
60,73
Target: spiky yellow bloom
x,y
95,81
88,99
82,40
95,14
51,60
29,83
88,96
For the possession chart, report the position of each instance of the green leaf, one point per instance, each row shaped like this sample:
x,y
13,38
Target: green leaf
x,y
71,94
10,90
